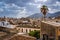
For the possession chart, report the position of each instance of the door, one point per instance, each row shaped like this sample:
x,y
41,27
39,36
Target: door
x,y
58,37
45,37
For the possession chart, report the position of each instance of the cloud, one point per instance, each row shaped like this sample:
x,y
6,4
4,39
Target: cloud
x,y
8,9
21,3
23,13
13,10
1,10
52,4
57,3
40,0
35,4
24,8
53,10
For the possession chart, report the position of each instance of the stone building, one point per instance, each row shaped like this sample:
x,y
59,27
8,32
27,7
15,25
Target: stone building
x,y
26,29
50,30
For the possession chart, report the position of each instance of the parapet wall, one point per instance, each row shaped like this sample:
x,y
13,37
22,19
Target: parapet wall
x,y
22,37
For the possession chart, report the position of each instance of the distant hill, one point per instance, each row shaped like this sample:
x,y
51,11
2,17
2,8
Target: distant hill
x,y
36,15
55,14
39,15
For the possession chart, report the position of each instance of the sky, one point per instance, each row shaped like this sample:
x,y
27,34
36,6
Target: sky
x,y
24,8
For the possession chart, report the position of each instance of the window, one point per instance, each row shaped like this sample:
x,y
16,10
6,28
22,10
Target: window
x,y
26,30
29,30
22,30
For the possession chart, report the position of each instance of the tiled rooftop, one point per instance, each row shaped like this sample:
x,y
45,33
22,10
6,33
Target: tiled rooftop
x,y
5,33
6,37
2,34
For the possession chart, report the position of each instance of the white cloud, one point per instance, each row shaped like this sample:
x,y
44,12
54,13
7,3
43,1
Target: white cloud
x,y
53,10
11,6
22,13
32,7
31,4
50,10
39,5
57,3
40,0
1,9
35,4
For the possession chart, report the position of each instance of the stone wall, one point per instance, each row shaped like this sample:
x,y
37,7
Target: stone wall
x,y
22,37
48,29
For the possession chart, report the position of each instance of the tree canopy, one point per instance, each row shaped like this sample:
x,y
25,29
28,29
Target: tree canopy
x,y
35,34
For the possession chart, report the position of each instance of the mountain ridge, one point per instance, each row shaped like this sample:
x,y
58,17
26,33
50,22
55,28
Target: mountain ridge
x,y
39,15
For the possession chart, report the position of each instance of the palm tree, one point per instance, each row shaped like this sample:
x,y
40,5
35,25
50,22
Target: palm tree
x,y
44,10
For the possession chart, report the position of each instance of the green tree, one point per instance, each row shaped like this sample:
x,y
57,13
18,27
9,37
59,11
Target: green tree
x,y
35,34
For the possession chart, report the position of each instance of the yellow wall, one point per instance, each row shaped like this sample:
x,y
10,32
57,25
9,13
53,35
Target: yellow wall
x,y
57,32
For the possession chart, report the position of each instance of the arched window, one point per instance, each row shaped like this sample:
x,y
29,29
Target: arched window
x,y
26,30
22,30
3,23
29,30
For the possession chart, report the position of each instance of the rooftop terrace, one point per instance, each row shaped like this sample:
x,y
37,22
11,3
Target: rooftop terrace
x,y
56,24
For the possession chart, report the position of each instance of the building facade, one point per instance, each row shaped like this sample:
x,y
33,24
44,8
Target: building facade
x,y
50,30
26,29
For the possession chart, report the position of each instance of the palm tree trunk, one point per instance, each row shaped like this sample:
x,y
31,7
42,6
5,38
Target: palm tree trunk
x,y
44,18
